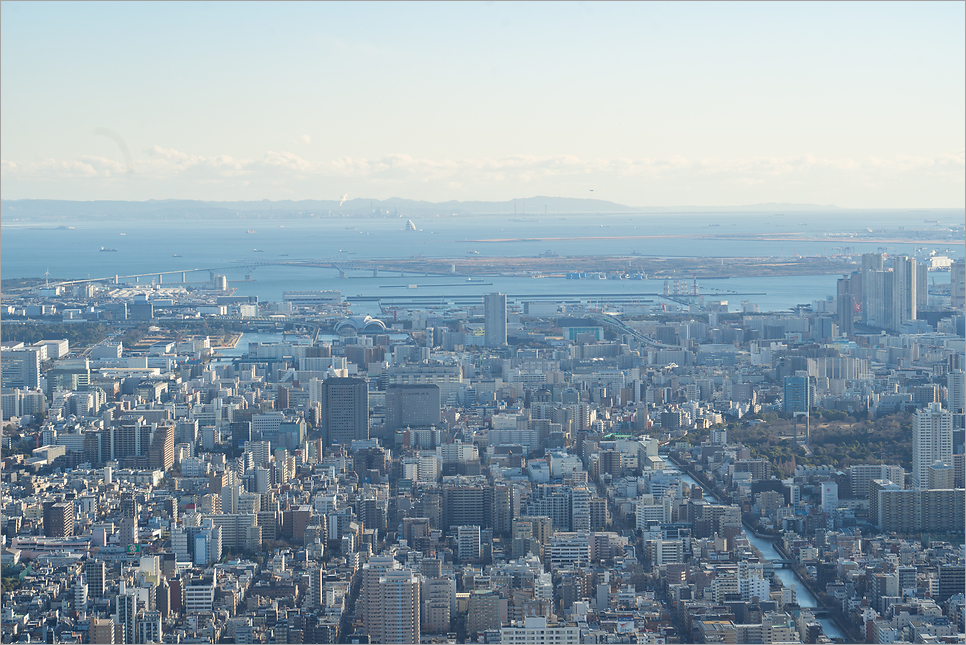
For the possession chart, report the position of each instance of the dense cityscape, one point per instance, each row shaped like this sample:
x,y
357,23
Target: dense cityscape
x,y
182,464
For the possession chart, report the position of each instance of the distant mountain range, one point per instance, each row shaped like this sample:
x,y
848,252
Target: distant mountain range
x,y
45,209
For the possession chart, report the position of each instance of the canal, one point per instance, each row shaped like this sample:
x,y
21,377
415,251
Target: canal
x,y
788,578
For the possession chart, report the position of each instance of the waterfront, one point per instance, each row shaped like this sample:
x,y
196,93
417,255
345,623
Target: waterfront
x,y
766,548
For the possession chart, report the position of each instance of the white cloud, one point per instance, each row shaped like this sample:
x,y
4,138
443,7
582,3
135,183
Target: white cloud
x,y
636,181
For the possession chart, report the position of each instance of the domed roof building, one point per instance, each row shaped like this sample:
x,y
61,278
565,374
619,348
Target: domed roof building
x,y
360,324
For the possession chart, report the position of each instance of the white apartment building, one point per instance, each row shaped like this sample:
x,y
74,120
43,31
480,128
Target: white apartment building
x,y
534,630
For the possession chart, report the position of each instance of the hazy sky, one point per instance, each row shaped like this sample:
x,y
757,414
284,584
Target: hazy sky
x,y
648,104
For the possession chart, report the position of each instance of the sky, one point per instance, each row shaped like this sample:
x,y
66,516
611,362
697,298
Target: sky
x,y
860,105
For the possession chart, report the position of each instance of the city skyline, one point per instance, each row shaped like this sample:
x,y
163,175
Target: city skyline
x,y
657,104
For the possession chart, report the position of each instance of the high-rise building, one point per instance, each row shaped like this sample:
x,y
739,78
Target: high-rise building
x,y
147,627
957,279
494,319
830,497
893,508
58,519
370,598
467,504
483,611
95,572
412,405
861,475
847,302
19,368
81,590
797,395
956,397
345,409
905,284
439,603
468,541
399,607
952,578
932,440
127,609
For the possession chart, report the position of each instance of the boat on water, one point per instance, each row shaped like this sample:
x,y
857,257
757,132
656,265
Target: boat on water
x,y
410,226
258,251
251,230
104,249
176,255
472,252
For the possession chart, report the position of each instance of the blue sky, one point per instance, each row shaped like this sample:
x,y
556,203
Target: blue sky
x,y
856,104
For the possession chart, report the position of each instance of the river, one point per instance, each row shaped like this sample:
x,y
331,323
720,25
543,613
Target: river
x,y
788,578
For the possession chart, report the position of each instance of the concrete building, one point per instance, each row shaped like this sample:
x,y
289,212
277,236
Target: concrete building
x,y
370,595
494,319
468,541
535,630
485,611
19,368
58,519
861,475
399,607
412,405
345,410
932,441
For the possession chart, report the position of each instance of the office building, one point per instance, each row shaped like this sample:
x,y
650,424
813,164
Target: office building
x,y
19,368
905,283
848,304
58,519
412,405
797,392
957,278
345,410
956,397
932,441
494,319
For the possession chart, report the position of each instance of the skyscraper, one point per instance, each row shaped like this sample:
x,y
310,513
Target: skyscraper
x,y
494,319
848,303
399,607
345,409
58,519
956,396
370,596
905,285
932,440
957,279
796,399
20,368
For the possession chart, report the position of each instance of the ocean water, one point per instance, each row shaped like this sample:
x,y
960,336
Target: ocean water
x,y
30,250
